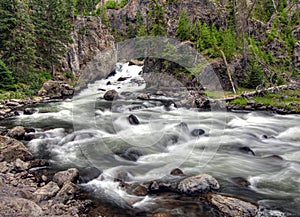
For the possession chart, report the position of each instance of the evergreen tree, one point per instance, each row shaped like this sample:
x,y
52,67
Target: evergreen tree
x,y
228,43
184,27
156,21
17,37
7,81
53,31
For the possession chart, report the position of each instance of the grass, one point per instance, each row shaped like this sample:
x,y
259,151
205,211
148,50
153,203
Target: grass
x,y
287,99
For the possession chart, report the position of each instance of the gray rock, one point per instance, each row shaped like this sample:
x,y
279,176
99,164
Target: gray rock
x,y
231,206
133,120
29,111
70,175
3,167
12,149
202,183
21,165
67,192
12,206
177,172
110,95
143,96
46,192
17,132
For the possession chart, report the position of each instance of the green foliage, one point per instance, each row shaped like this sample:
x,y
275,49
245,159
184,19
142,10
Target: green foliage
x,y
7,81
156,21
184,27
123,3
111,4
228,45
69,75
239,101
256,77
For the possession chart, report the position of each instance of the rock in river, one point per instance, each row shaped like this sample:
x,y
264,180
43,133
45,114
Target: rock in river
x,y
110,95
133,120
17,132
197,132
202,183
232,206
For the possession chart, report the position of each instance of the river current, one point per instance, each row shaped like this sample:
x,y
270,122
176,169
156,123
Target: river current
x,y
95,136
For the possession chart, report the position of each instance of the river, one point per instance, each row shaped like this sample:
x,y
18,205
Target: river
x,y
95,136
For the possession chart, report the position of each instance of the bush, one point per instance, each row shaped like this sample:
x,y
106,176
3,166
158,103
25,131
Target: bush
x,y
111,4
7,81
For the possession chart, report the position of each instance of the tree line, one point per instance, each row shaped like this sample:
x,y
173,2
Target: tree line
x,y
33,36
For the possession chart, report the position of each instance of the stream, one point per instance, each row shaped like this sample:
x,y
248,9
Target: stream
x,y
95,136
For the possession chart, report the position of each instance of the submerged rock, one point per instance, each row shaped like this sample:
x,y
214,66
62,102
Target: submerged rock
x,y
232,206
29,111
133,120
241,181
110,95
197,132
140,191
202,183
247,150
132,154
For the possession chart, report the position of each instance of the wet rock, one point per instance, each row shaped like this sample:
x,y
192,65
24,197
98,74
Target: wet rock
x,y
68,192
135,62
70,175
46,192
163,186
241,181
108,83
17,132
123,78
183,127
89,173
110,95
202,183
29,130
30,111
177,172
132,154
133,120
247,150
21,165
231,206
143,96
197,132
111,74
140,191
12,206
12,149
3,131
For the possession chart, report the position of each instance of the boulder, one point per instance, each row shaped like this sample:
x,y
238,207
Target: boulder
x,y
177,172
30,111
56,89
197,132
110,95
232,206
131,154
143,96
140,191
21,165
67,192
202,183
241,181
46,192
17,132
12,149
133,120
13,206
70,175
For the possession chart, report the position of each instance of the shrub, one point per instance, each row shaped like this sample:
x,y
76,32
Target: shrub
x,y
7,81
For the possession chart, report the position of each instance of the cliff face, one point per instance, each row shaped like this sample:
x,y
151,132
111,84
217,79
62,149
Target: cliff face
x,y
90,37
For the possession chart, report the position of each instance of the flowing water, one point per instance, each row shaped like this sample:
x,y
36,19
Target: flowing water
x,y
95,136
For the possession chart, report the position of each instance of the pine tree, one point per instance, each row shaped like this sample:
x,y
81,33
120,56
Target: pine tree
x,y
184,27
156,21
17,37
7,81
53,31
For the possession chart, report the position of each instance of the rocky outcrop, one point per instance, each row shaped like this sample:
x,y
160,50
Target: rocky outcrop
x,y
90,37
296,56
26,192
